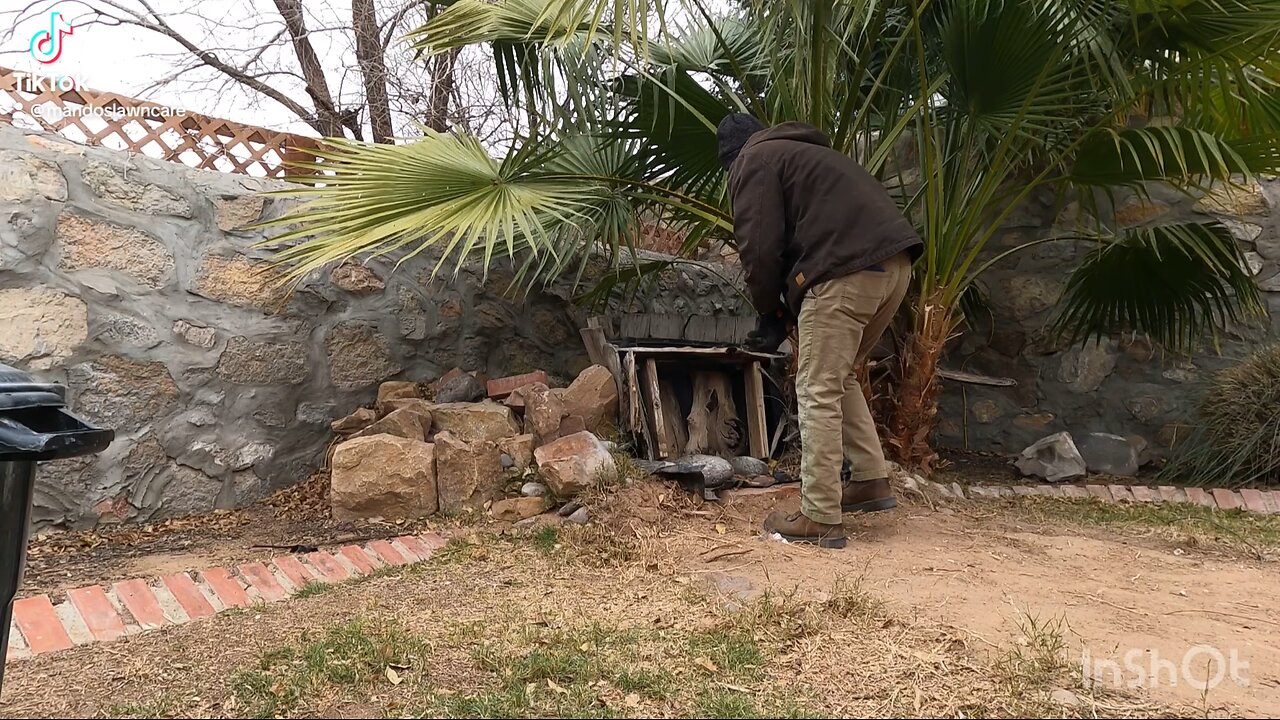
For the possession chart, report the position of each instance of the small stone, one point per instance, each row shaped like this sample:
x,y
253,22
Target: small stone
x,y
204,337
1147,407
575,463
533,489
475,421
593,395
250,455
507,462
1253,263
116,187
356,279
1182,372
517,509
1029,295
519,449
985,411
1137,211
1064,697
200,416
239,281
1109,454
237,213
1243,231
245,362
1054,458
42,326
747,466
569,508
315,413
358,420
85,244
578,517
462,388
383,476
467,473
359,355
127,331
407,422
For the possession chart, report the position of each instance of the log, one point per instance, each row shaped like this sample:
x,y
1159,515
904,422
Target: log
x,y
653,402
757,428
677,432
714,426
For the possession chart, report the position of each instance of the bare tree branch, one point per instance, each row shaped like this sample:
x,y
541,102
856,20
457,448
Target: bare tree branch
x,y
317,87
372,67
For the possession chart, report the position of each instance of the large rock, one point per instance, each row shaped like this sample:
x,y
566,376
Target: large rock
x,y
122,394
121,329
1109,454
517,509
475,421
116,187
408,422
542,413
575,463
1234,202
1084,368
519,449
1054,458
747,466
467,473
359,355
205,337
463,387
383,476
239,281
593,395
1028,295
85,244
398,390
24,177
41,326
245,362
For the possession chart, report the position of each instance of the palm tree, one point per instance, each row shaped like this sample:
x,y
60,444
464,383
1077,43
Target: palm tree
x,y
964,108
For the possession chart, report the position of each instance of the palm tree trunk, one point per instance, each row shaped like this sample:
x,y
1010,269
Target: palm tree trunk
x,y
915,402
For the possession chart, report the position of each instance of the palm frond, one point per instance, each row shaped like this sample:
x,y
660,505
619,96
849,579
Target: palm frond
x,y
1177,155
1175,282
442,190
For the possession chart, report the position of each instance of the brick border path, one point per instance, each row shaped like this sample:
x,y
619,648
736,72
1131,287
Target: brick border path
x,y
128,607
1259,501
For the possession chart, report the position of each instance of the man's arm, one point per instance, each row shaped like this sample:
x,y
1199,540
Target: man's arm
x,y
759,224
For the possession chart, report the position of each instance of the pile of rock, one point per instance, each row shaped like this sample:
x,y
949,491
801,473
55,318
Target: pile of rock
x,y
410,456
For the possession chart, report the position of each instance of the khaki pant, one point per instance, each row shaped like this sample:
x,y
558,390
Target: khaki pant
x,y
840,322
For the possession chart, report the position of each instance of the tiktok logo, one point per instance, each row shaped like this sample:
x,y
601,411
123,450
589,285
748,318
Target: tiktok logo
x,y
46,45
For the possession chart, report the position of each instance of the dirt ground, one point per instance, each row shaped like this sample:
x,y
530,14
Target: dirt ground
x,y
965,586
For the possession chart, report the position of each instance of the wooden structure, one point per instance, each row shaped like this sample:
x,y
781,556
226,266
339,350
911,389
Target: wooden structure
x,y
678,399
92,117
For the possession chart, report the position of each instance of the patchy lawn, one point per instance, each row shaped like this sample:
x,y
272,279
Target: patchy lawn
x,y
971,610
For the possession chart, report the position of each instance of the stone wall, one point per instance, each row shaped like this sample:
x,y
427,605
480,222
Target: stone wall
x,y
1121,385
136,284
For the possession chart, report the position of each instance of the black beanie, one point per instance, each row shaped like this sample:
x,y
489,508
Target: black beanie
x,y
733,133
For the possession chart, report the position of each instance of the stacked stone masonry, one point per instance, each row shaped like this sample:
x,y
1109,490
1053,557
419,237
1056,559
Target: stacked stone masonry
x,y
140,285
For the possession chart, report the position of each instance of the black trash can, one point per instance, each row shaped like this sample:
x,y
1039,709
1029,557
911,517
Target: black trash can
x,y
34,426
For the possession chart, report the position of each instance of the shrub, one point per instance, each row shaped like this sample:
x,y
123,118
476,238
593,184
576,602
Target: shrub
x,y
1237,440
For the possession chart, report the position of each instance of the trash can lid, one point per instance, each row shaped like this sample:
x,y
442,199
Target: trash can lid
x,y
20,390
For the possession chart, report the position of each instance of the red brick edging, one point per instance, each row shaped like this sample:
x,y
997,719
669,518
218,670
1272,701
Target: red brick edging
x,y
99,614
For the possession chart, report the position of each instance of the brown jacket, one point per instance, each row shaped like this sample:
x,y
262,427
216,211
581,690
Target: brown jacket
x,y
804,213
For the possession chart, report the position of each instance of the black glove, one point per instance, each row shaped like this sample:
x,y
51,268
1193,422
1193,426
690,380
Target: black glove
x,y
770,331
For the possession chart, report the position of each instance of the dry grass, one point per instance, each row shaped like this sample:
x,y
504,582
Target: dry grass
x,y
574,621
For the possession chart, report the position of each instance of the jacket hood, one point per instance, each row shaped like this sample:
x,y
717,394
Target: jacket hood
x,y
794,130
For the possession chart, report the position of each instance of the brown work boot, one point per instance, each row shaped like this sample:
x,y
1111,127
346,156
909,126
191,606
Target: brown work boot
x,y
866,496
798,528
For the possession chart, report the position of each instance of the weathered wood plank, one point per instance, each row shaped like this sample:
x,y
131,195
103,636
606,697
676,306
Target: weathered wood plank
x,y
756,421
636,416
654,404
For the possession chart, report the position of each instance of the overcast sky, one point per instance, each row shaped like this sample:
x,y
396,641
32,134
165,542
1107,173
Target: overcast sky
x,y
127,59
